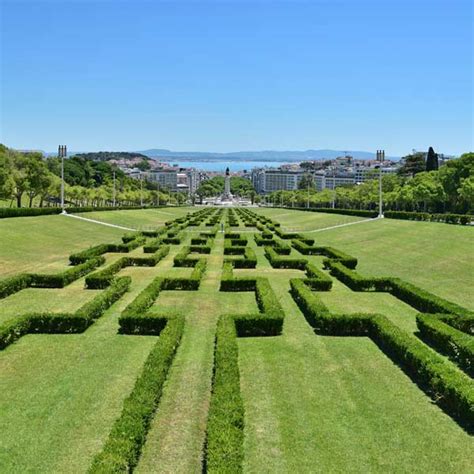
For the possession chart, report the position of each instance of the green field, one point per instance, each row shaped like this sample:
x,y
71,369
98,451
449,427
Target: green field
x,y
313,403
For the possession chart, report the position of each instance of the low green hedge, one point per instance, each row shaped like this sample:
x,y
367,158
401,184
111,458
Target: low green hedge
x,y
447,340
62,279
225,423
84,255
63,322
317,279
103,278
420,299
451,388
122,449
347,212
13,284
248,260
462,219
284,262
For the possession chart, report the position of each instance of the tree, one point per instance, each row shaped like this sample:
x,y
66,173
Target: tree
x,y
38,177
431,160
412,165
306,181
144,165
6,180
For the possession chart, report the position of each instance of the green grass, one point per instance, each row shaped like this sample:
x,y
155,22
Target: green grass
x,y
313,403
303,221
138,219
60,394
43,244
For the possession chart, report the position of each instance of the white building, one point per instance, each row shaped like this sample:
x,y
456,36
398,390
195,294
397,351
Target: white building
x,y
272,179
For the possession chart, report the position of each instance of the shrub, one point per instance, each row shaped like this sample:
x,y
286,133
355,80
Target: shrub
x,y
63,322
447,340
60,280
284,262
449,387
225,424
317,279
127,437
13,284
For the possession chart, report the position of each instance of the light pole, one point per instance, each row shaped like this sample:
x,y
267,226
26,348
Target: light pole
x,y
141,190
380,159
62,153
114,190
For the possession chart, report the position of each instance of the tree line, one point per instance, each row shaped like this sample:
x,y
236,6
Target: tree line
x,y
28,178
447,189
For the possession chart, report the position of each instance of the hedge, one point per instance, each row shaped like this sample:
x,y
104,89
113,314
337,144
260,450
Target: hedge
x,y
248,260
13,284
420,299
225,423
317,279
63,322
462,219
45,211
451,388
347,212
122,449
62,279
284,262
84,255
447,340
103,278
306,249
192,283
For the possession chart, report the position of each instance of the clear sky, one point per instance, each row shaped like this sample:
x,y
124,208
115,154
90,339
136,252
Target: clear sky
x,y
242,75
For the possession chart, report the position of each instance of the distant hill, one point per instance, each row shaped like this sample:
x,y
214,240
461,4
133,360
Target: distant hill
x,y
265,155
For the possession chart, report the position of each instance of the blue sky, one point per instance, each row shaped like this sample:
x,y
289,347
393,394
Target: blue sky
x,y
247,75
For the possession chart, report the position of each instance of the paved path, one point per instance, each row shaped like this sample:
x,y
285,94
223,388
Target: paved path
x,y
98,222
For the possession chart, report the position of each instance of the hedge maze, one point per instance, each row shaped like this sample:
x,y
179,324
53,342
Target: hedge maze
x,y
438,358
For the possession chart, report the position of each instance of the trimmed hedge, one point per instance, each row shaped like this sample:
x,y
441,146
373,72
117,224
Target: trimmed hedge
x,y
103,278
284,262
60,280
13,284
333,254
347,212
317,279
420,299
225,426
61,323
462,219
84,255
451,388
447,340
225,423
248,260
122,449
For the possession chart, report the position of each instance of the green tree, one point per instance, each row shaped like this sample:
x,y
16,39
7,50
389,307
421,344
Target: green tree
x,y
306,181
431,160
412,165
144,165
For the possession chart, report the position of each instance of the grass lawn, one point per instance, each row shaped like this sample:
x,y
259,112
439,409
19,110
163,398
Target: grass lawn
x,y
139,219
60,394
312,403
303,221
43,244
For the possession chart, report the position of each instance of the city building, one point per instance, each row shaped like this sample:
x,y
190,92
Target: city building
x,y
268,180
